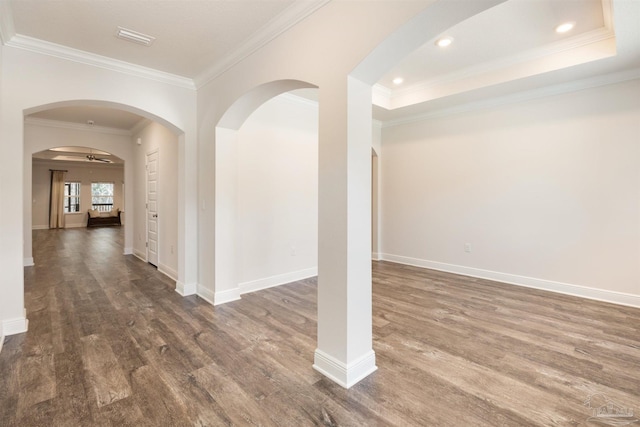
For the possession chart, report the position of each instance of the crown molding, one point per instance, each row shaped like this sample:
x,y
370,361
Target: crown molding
x,y
384,97
281,23
558,89
75,126
533,54
52,49
493,66
295,13
6,22
381,96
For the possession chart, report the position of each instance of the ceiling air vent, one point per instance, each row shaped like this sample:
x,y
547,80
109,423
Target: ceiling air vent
x,y
134,36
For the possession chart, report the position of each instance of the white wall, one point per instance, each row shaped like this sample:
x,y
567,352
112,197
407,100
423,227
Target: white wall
x,y
344,73
157,137
376,177
301,55
4,251
277,227
85,174
546,192
31,80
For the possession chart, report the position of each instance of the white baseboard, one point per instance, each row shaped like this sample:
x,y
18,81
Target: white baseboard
x,y
39,227
15,326
140,255
28,262
186,289
280,279
529,282
229,295
75,225
205,294
375,256
127,251
343,374
167,271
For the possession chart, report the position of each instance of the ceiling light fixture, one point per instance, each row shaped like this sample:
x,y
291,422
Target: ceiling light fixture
x,y
398,81
444,41
134,36
565,27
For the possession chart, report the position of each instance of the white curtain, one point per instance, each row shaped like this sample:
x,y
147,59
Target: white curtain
x,y
56,208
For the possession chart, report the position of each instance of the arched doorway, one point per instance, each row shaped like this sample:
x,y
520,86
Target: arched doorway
x,y
344,351
60,123
93,180
225,219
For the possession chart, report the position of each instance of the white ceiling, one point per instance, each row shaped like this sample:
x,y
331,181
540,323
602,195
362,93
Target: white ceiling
x,y
190,35
507,50
100,117
512,52
504,31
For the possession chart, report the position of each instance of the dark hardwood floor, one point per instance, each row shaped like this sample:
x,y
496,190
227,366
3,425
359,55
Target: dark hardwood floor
x,y
110,343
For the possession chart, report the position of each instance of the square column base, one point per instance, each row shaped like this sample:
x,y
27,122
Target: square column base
x,y
346,375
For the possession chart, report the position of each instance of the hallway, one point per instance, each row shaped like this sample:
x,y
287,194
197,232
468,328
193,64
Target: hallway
x,y
111,343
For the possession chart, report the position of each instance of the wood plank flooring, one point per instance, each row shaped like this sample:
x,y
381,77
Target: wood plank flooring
x,y
110,343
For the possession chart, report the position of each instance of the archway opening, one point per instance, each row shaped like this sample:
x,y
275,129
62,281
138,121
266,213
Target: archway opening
x,y
277,192
94,180
92,139
243,166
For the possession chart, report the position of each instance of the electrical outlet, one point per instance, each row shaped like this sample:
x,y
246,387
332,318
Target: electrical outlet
x,y
293,251
467,247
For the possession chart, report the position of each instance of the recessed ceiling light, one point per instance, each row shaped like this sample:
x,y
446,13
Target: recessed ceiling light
x,y
565,27
134,36
444,41
398,81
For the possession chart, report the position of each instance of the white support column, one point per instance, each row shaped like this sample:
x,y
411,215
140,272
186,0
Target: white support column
x,y
226,195
27,191
345,352
129,211
187,215
12,311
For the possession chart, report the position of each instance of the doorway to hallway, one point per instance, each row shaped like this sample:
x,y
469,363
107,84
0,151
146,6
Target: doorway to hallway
x,y
152,208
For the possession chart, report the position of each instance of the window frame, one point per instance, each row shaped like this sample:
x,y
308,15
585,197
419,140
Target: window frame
x,y
100,204
68,197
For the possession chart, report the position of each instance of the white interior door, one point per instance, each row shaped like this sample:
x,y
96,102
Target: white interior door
x,y
152,208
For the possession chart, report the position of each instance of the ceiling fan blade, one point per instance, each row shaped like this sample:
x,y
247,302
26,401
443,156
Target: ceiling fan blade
x,y
103,160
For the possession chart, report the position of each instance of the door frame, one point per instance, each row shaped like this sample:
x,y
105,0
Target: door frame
x,y
146,205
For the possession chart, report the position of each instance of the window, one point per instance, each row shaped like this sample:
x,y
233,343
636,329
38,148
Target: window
x,y
102,196
71,197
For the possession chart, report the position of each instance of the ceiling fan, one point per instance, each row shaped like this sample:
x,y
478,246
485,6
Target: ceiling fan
x,y
92,158
79,154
